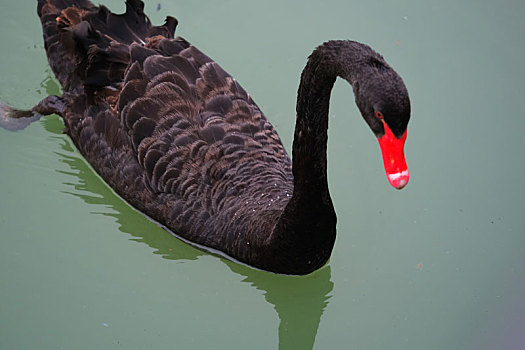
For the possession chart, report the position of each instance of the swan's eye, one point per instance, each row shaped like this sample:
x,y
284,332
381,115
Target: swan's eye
x,y
379,115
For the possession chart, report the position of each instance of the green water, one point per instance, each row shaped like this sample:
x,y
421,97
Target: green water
x,y
438,265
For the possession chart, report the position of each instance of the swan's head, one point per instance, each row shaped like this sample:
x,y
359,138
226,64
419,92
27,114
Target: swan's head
x,y
383,101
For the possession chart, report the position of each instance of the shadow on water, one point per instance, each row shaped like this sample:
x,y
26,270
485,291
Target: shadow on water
x,y
299,300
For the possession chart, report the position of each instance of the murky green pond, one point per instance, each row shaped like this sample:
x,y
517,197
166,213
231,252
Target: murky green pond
x,y
439,265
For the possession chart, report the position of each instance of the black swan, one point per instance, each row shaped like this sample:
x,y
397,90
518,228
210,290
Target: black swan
x,y
179,139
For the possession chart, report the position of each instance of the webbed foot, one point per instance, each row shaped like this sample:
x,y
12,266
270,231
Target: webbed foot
x,y
17,119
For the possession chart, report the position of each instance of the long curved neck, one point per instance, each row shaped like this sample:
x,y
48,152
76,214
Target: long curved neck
x,y
306,228
327,62
311,128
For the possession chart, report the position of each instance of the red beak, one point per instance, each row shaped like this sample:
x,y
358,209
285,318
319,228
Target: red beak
x,y
394,158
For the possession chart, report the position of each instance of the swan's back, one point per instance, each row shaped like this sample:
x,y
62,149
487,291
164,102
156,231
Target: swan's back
x,y
166,126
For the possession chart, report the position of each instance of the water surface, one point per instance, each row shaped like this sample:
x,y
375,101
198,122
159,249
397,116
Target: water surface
x,y
439,265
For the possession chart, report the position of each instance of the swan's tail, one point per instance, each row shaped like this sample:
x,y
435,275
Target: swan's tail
x,y
88,49
83,40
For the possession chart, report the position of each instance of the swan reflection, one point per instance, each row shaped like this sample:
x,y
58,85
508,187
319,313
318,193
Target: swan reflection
x,y
298,300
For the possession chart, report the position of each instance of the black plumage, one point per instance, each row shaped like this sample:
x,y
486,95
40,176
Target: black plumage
x,y
177,137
